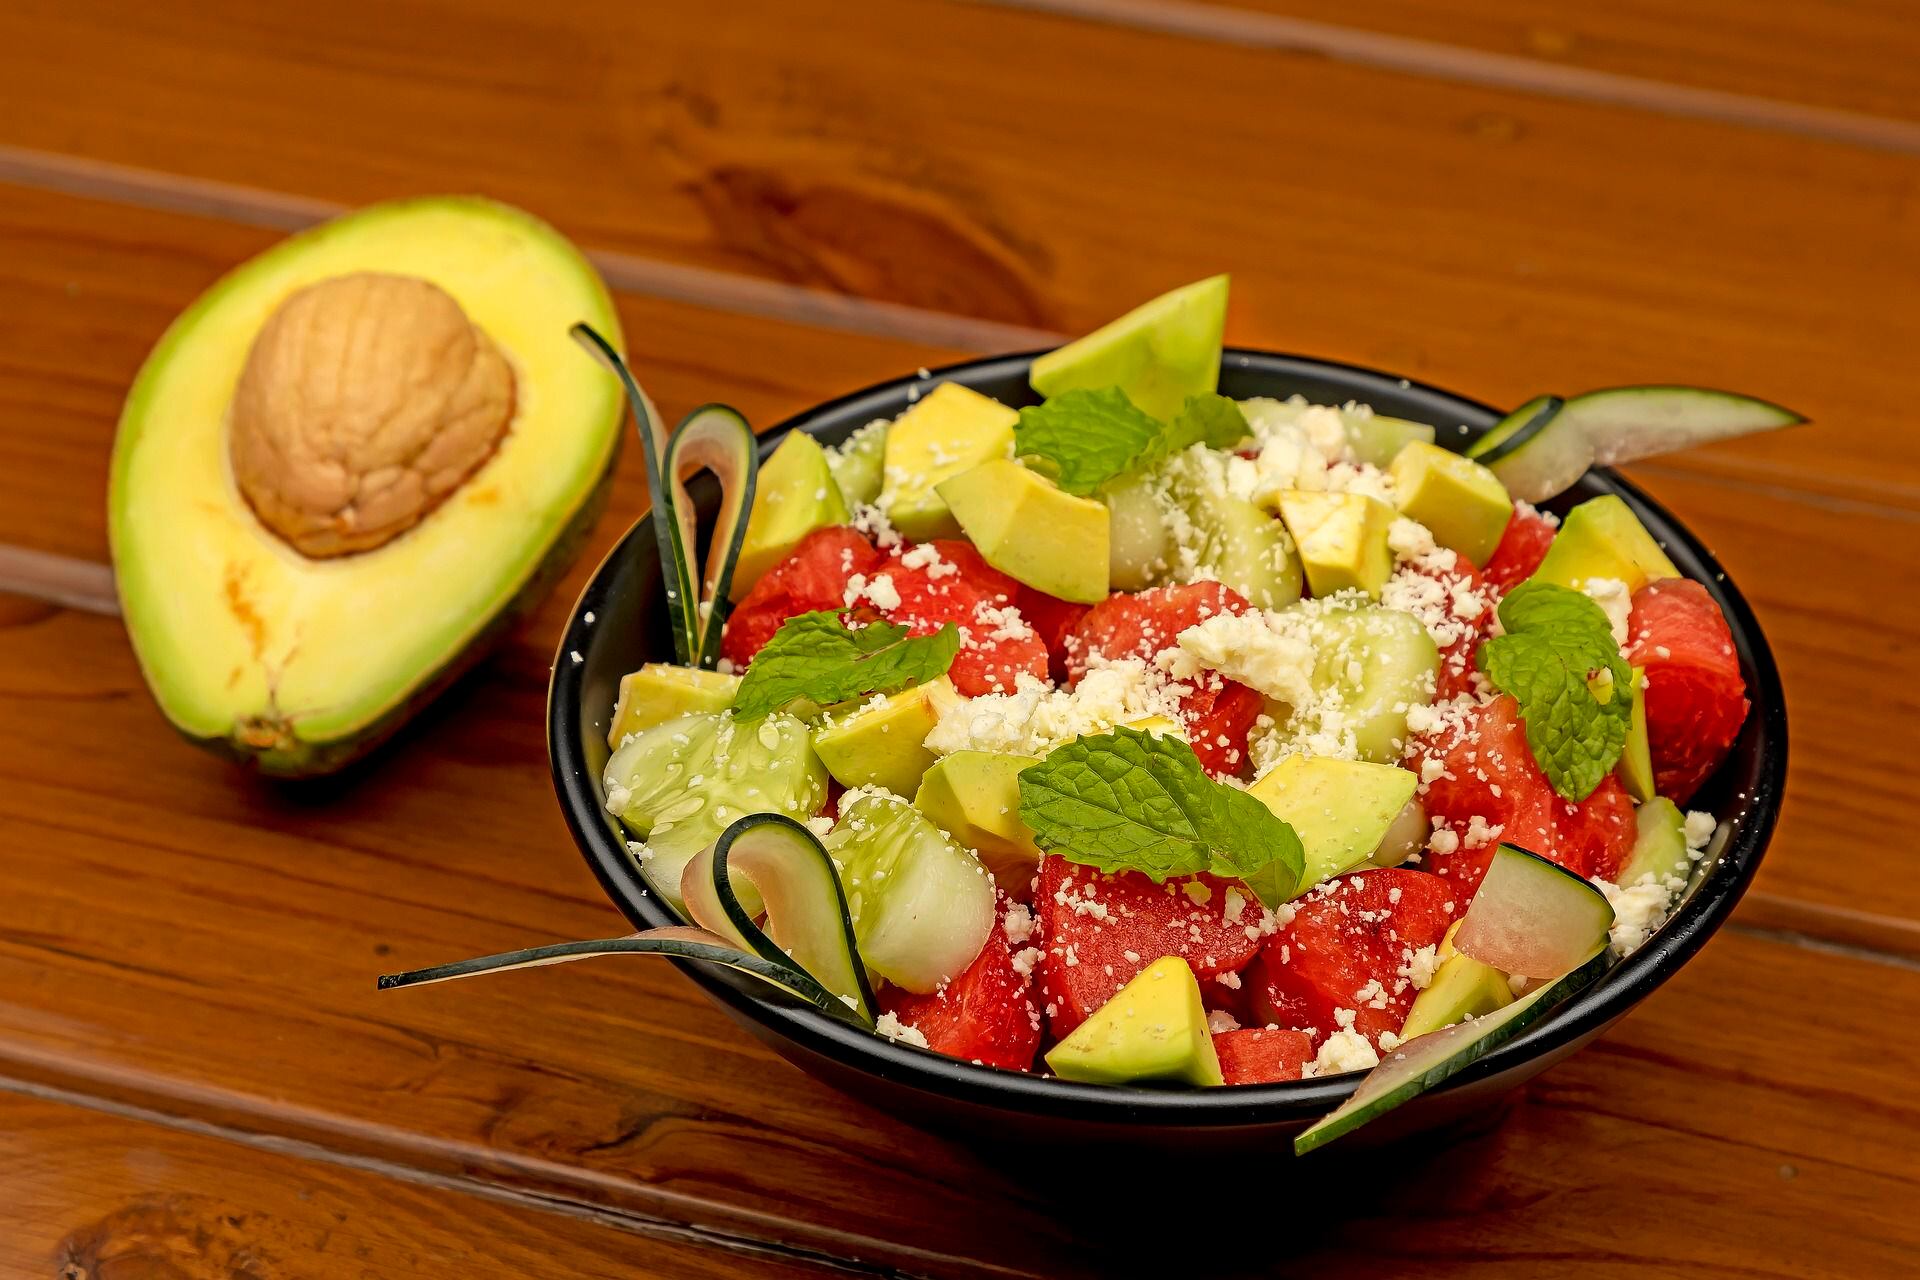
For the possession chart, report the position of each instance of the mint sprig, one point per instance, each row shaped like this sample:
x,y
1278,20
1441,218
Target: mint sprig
x,y
1084,440
816,658
1559,660
1128,801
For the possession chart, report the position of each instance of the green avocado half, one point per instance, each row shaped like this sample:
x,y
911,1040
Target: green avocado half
x,y
299,661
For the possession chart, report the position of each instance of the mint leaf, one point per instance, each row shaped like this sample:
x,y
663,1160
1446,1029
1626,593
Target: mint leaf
x,y
1558,658
816,658
1128,801
1212,420
1084,439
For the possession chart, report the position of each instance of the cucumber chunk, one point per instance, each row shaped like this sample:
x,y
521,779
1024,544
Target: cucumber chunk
x,y
921,905
1426,1061
1139,541
1532,918
858,463
1371,666
678,785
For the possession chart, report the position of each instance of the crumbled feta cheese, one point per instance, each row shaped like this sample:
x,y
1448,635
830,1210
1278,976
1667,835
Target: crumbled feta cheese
x,y
1699,831
1638,910
1615,600
889,1025
1418,965
1272,657
1343,1051
1219,1020
1035,718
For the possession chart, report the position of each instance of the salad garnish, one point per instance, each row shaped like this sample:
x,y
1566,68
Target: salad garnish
x,y
1085,440
1132,801
1559,658
815,658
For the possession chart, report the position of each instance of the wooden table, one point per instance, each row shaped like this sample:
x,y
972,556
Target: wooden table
x,y
795,197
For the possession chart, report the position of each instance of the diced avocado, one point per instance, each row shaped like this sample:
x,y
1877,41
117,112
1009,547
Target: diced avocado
x,y
949,430
1245,548
1636,759
1341,539
1032,530
859,463
1407,835
1660,847
1340,809
1377,439
1160,353
880,744
795,494
397,384
1461,502
660,691
1602,538
1462,988
974,796
1139,542
1154,1029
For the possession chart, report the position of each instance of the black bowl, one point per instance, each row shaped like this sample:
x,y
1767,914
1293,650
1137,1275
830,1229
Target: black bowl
x,y
618,624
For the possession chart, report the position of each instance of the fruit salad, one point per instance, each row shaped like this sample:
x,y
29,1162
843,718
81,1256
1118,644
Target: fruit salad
x,y
1138,735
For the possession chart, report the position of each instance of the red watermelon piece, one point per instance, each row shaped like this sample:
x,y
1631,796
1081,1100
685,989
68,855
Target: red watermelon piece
x,y
1596,836
1522,547
1054,620
1344,949
1485,785
985,1015
813,578
1259,1055
1096,932
1145,623
1696,697
948,581
1219,714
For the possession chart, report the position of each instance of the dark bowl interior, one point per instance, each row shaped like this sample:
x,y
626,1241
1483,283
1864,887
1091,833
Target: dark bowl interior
x,y
617,624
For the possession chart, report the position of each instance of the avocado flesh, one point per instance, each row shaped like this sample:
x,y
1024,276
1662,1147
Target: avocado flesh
x,y
659,692
1660,845
880,745
949,430
1462,988
794,494
1341,539
1636,758
1461,502
1154,1028
974,796
300,665
1031,530
1602,538
1340,809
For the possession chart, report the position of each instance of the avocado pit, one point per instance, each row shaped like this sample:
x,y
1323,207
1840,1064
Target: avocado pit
x,y
365,401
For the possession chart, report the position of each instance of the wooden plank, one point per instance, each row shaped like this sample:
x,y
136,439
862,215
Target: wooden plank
x,y
180,937
92,1193
1819,587
1825,55
1486,239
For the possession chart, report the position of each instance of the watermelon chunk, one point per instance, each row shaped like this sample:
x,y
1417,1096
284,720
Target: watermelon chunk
x,y
814,577
1522,547
1487,788
1344,949
1262,1055
948,581
1097,932
985,1015
1696,697
1054,620
1219,715
1144,624
1596,836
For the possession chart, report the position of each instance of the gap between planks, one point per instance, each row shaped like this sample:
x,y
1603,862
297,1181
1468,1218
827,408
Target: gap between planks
x,y
147,1110
1410,55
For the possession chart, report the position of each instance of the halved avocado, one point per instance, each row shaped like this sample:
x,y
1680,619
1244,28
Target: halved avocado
x,y
291,608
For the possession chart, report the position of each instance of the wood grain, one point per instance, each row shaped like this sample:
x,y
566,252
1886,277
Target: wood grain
x,y
87,1194
1851,57
1491,240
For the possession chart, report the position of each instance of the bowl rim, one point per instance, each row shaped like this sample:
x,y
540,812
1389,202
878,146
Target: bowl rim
x,y
963,1083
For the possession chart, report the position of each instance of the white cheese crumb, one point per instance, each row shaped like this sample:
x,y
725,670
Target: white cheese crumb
x,y
890,1026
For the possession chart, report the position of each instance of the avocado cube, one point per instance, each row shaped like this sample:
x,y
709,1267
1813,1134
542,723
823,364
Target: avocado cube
x,y
951,429
1463,503
1032,530
1462,988
1602,538
1154,1028
974,796
1340,809
660,691
1377,439
1636,759
794,495
1341,539
882,743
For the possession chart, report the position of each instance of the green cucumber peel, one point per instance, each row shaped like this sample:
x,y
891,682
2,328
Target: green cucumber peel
x,y
1516,429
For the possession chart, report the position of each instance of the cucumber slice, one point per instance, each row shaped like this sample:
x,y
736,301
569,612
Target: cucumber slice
x,y
808,923
713,438
859,463
679,784
1407,836
921,905
1371,665
1538,453
1659,846
1139,542
678,941
1247,549
1426,1061
1376,440
682,600
1532,918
